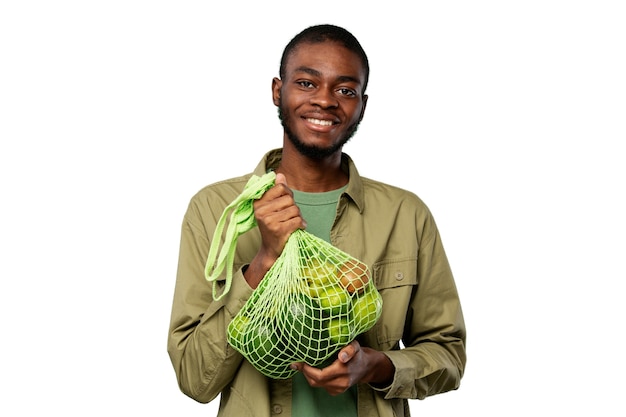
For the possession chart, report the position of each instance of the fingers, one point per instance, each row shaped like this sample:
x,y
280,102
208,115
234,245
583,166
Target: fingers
x,y
277,217
349,351
331,378
278,209
297,366
313,375
277,199
279,213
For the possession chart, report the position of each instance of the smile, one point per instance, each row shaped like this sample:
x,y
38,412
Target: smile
x,y
320,122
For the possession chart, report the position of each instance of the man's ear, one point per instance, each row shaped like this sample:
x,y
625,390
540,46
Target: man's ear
x,y
365,96
277,83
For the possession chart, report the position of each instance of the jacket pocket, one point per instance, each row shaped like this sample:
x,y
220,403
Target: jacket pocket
x,y
395,279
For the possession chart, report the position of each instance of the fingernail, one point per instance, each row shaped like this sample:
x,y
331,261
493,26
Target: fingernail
x,y
293,366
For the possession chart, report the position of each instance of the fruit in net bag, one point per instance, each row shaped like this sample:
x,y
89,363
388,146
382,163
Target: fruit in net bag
x,y
314,300
354,276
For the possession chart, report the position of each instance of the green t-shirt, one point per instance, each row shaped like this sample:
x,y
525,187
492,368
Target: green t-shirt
x,y
319,210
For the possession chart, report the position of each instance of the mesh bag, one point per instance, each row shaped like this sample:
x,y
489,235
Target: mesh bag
x,y
314,300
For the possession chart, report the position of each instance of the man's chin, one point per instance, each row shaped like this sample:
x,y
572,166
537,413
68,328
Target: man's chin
x,y
314,147
315,151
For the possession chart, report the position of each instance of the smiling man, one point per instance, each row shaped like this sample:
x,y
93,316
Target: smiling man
x,y
320,87
416,349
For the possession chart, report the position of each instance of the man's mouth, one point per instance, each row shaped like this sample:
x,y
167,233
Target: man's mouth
x,y
320,122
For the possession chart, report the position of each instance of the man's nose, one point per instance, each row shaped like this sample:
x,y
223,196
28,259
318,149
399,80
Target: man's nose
x,y
324,98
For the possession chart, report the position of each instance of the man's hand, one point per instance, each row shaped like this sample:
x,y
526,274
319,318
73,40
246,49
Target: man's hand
x,y
354,364
277,217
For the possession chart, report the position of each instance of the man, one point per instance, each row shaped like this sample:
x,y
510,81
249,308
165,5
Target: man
x,y
416,349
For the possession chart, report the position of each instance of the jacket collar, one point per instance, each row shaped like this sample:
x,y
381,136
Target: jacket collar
x,y
355,183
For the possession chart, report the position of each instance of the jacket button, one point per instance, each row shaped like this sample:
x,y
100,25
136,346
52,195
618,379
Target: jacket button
x,y
277,409
399,275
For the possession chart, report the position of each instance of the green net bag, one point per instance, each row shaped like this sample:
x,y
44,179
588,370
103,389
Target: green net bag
x,y
313,301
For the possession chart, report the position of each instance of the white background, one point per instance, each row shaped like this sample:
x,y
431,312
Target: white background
x,y
506,117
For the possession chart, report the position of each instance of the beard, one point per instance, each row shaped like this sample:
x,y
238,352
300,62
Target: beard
x,y
313,151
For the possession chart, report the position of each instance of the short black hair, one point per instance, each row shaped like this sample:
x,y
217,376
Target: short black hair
x,y
323,33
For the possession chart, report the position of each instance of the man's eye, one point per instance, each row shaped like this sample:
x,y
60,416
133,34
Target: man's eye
x,y
306,84
347,92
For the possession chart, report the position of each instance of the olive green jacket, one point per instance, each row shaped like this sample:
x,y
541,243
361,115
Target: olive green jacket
x,y
421,328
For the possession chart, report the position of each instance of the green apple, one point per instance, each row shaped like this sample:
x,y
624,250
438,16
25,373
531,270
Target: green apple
x,y
334,299
339,330
366,309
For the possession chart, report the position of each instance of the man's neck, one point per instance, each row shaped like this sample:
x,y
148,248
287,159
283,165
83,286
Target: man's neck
x,y
312,175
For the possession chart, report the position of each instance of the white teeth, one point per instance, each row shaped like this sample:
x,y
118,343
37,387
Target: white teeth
x,y
320,122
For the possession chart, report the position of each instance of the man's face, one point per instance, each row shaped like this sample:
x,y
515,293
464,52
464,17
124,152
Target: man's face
x,y
320,99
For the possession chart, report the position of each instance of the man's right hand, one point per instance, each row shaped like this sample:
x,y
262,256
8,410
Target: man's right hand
x,y
277,217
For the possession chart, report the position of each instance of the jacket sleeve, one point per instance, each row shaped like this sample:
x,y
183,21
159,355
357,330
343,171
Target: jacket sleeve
x,y
434,357
203,360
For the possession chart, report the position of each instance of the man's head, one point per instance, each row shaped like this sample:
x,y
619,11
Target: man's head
x,y
321,91
323,33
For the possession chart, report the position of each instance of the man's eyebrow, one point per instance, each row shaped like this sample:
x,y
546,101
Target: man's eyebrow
x,y
316,73
347,78
309,71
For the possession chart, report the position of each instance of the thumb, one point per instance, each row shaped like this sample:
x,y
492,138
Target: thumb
x,y
349,351
296,366
281,179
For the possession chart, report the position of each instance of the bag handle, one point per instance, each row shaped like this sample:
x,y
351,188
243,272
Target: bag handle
x,y
240,216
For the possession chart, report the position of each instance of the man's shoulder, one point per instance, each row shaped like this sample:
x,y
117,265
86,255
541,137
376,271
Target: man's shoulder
x,y
384,199
377,190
